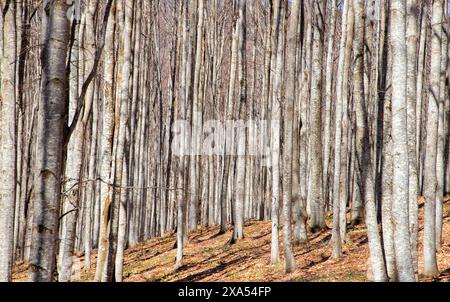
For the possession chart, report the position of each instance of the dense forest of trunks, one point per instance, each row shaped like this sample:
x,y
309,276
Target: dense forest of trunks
x,y
100,147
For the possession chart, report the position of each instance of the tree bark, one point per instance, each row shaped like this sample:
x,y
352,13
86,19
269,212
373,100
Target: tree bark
x,y
289,118
106,139
329,79
411,40
277,61
315,188
361,109
430,177
238,231
8,139
50,132
440,155
400,191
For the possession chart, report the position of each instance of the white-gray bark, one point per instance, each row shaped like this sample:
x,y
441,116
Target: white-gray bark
x,y
289,118
50,140
411,40
277,62
315,188
442,134
238,232
432,125
106,139
400,188
336,233
8,139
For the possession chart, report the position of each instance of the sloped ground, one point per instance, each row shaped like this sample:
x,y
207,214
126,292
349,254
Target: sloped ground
x,y
208,257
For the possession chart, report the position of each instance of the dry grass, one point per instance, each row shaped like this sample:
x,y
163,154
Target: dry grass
x,y
208,257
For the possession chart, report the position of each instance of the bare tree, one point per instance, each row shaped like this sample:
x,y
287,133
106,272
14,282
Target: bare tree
x,y
400,191
277,63
106,139
8,139
289,117
430,177
315,188
411,40
51,127
238,232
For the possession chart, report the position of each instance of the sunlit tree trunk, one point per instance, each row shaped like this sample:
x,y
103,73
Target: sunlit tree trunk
x,y
120,147
411,40
442,134
8,139
277,62
430,177
290,98
106,139
182,165
400,180
194,190
50,132
361,109
329,78
315,189
238,232
336,233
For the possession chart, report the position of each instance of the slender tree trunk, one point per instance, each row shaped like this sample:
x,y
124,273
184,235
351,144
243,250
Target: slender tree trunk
x,y
329,78
264,175
315,188
23,147
72,189
411,40
50,133
400,191
277,61
181,207
341,135
360,97
420,90
194,190
288,135
90,190
300,215
241,137
430,177
106,140
440,160
8,139
336,233
122,230
120,149
305,85
387,185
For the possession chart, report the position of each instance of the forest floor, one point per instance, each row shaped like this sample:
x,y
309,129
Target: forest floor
x,y
209,257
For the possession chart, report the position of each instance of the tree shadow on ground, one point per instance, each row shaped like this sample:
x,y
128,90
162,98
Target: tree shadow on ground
x,y
324,240
260,236
200,275
314,263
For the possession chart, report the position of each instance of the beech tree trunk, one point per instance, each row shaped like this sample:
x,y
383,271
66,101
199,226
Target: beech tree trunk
x,y
277,62
400,189
8,139
289,119
106,140
50,140
315,188
430,177
336,233
238,232
442,134
411,40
